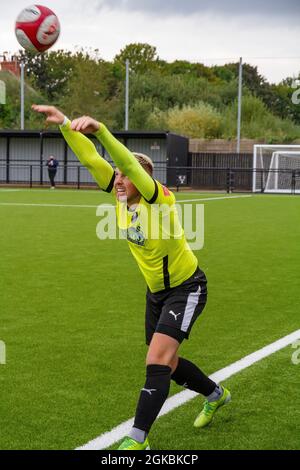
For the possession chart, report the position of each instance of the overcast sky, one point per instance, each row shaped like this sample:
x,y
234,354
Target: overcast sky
x,y
208,31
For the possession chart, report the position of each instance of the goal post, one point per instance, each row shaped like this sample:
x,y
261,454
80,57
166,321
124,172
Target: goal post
x,y
276,168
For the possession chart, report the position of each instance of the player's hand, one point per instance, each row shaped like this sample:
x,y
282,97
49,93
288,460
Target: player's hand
x,y
85,124
53,114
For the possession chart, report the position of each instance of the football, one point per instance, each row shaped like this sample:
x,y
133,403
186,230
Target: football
x,y
37,28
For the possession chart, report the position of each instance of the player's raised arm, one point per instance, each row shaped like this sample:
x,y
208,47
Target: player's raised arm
x,y
123,158
128,164
83,148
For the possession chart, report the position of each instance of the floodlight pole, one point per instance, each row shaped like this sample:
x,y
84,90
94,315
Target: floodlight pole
x,y
22,65
238,146
127,96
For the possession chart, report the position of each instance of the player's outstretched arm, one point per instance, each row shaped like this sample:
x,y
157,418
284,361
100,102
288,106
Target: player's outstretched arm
x,y
85,125
83,148
123,158
53,114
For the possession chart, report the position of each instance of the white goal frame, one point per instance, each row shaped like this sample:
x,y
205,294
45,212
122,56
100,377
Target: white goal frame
x,y
284,150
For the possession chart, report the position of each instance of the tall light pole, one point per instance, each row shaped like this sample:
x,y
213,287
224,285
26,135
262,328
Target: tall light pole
x,y
127,96
22,66
238,146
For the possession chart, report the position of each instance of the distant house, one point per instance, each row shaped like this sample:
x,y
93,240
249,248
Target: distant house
x,y
11,65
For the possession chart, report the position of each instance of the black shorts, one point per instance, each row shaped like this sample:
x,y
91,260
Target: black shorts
x,y
173,311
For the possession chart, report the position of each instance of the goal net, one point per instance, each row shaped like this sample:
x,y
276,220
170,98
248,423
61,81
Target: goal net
x,y
276,168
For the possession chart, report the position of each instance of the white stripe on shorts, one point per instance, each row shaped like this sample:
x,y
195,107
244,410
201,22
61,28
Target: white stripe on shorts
x,y
192,302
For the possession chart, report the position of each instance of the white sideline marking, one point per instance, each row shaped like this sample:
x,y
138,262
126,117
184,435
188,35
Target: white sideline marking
x,y
21,204
109,438
9,190
57,190
213,198
46,205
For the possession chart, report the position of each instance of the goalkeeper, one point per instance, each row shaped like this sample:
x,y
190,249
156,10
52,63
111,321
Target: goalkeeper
x,y
176,287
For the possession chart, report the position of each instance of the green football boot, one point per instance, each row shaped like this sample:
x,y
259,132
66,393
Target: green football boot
x,y
130,444
209,409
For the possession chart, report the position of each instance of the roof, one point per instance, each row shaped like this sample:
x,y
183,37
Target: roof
x,y
117,134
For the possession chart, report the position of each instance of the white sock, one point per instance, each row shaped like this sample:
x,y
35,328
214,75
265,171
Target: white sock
x,y
138,435
216,394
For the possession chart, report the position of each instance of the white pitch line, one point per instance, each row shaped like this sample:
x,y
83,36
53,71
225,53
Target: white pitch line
x,y
213,198
21,204
9,190
116,434
57,190
25,204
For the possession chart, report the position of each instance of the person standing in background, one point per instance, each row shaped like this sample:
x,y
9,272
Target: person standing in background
x,y
52,165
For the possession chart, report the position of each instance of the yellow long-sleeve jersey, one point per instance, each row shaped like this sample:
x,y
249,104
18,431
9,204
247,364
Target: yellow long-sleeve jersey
x,y
155,236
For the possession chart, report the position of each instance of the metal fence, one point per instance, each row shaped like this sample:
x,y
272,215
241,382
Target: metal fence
x,y
34,174
215,168
200,178
238,179
74,175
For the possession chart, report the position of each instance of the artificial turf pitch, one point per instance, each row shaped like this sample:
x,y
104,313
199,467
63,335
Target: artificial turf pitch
x,y
72,319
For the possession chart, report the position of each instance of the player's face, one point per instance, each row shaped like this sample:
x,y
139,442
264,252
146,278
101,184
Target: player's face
x,y
125,190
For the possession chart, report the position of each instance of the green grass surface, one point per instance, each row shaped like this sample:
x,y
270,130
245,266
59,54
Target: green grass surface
x,y
264,413
72,318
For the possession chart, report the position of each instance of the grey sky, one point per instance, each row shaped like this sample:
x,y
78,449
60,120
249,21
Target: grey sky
x,y
267,8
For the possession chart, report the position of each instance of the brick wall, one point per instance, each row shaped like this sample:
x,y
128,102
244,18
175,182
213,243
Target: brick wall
x,y
10,67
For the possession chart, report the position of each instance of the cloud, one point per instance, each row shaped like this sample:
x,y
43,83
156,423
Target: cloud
x,y
267,8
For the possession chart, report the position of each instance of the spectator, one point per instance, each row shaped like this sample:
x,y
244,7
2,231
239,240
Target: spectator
x,y
52,165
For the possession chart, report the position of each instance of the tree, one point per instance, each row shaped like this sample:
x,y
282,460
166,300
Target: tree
x,y
49,72
183,67
200,120
92,89
140,110
140,56
286,96
10,112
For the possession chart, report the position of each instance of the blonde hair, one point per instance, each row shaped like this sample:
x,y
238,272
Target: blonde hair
x,y
145,162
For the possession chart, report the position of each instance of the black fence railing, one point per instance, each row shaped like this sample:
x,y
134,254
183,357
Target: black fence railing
x,y
283,180
33,174
202,178
213,178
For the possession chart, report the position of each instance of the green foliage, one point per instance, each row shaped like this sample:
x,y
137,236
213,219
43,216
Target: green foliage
x,y
10,112
168,91
201,120
277,98
183,67
259,123
50,72
6,116
162,94
140,111
140,56
92,89
283,104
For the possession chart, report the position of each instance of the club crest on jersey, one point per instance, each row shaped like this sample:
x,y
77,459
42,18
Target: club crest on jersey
x,y
135,235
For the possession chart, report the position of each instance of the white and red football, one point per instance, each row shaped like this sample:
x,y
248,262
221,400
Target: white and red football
x,y
37,28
